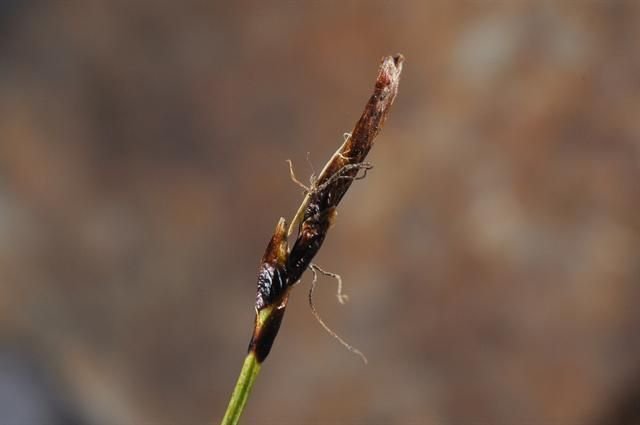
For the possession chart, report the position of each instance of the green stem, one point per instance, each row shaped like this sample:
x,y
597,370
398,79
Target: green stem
x,y
248,374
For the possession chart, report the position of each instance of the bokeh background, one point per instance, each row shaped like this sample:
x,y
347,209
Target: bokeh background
x,y
492,257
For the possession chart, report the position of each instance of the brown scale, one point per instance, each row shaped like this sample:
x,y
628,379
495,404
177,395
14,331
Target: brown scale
x,y
272,273
311,235
272,292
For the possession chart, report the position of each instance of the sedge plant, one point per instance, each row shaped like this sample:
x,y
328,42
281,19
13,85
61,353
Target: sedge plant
x,y
282,265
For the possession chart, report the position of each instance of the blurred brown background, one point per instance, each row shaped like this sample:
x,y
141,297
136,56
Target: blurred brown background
x,y
491,257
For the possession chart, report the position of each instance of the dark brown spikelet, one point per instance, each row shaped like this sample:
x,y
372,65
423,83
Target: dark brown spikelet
x,y
272,273
312,232
342,169
272,293
345,162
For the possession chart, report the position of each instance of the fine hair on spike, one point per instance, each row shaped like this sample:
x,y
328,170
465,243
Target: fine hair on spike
x,y
312,179
295,179
338,175
344,343
342,297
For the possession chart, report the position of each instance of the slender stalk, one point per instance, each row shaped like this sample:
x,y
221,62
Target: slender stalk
x,y
248,375
281,266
